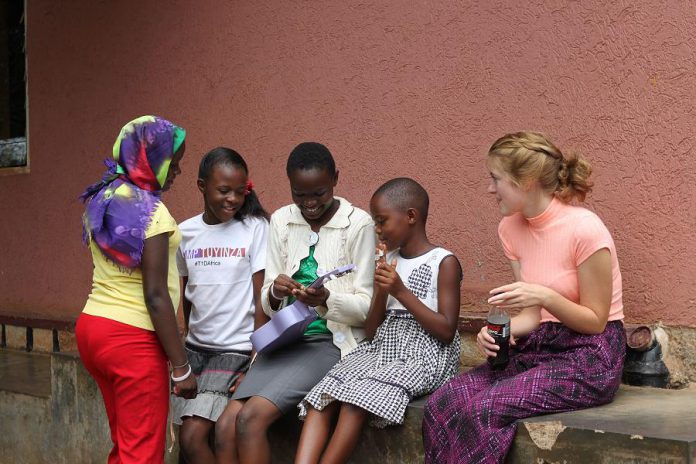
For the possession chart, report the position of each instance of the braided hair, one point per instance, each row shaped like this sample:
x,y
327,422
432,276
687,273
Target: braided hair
x,y
530,156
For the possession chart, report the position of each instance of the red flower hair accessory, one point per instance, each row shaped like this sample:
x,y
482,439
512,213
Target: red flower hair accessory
x,y
249,187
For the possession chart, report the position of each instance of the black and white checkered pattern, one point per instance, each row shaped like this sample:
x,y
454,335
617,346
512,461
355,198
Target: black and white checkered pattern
x,y
419,280
381,376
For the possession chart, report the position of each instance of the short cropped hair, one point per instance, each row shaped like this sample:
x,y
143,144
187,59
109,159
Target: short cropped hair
x,y
309,155
405,193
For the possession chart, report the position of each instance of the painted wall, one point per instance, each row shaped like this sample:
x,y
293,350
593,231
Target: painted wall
x,y
394,88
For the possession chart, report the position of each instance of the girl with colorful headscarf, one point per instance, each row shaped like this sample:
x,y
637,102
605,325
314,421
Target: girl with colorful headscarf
x,y
127,331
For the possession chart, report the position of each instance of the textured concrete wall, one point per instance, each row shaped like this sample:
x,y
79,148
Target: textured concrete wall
x,y
393,88
68,427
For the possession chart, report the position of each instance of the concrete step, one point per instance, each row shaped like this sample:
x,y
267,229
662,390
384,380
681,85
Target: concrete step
x,y
641,426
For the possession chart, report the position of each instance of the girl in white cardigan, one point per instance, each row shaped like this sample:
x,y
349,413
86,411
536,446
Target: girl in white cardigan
x,y
315,234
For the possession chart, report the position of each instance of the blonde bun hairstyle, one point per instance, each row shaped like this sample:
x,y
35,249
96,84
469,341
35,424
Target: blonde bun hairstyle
x,y
528,156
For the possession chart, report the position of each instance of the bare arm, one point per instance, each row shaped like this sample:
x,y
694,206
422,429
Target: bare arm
x,y
376,313
528,319
520,325
441,324
260,317
378,303
155,265
589,316
186,304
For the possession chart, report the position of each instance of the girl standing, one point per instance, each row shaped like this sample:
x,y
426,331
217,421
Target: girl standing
x,y
127,331
221,258
315,234
569,336
412,324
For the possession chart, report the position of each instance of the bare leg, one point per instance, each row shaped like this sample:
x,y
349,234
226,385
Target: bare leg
x,y
225,434
252,425
193,437
315,433
346,435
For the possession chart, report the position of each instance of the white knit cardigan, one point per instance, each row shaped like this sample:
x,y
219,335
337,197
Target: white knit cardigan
x,y
348,237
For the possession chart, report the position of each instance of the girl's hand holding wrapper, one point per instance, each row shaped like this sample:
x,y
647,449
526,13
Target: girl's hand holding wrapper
x,y
386,277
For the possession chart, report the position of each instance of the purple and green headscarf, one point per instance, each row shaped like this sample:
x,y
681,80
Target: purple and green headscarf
x,y
120,206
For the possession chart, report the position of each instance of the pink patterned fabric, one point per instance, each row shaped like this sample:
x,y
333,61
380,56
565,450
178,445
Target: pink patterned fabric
x,y
472,419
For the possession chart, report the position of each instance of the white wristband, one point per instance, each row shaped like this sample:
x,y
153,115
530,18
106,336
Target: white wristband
x,y
273,293
183,377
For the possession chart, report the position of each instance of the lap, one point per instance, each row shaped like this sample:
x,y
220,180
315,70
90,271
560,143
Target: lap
x,y
553,369
216,372
285,376
510,394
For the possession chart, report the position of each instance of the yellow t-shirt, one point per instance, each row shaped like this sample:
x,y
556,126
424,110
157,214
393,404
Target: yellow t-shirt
x,y
118,295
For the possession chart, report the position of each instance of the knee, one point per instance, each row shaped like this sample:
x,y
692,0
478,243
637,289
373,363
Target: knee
x,y
437,402
225,422
225,428
250,420
190,440
486,410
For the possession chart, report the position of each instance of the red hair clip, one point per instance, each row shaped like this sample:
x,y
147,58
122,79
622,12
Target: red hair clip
x,y
249,187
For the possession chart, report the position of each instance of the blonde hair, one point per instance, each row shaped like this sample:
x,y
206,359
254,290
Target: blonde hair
x,y
530,156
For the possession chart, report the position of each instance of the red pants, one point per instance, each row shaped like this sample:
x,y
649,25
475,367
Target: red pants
x,y
130,368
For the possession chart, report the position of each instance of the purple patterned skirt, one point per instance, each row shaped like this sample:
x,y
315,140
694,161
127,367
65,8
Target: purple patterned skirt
x,y
472,419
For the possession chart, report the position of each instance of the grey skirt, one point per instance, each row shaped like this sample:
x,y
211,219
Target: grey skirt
x,y
286,375
216,372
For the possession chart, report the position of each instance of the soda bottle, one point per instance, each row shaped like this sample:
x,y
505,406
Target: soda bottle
x,y
498,326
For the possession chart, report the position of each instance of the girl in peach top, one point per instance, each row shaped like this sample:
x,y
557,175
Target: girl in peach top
x,y
568,338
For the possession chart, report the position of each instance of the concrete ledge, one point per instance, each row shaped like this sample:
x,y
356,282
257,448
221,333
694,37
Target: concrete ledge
x,y
641,426
401,444
53,397
67,424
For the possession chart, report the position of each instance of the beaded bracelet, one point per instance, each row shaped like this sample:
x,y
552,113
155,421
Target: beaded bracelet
x,y
183,377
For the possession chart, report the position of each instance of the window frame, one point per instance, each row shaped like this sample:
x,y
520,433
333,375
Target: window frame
x,y
11,170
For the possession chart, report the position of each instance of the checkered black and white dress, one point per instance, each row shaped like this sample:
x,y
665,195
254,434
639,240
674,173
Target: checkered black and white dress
x,y
401,363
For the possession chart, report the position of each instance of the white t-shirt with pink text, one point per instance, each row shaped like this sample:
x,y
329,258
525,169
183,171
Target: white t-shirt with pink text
x,y
219,261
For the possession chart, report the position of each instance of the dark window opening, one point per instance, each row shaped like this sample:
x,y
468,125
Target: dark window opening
x,y
13,114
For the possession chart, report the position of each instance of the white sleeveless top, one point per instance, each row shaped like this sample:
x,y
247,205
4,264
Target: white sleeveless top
x,y
420,275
